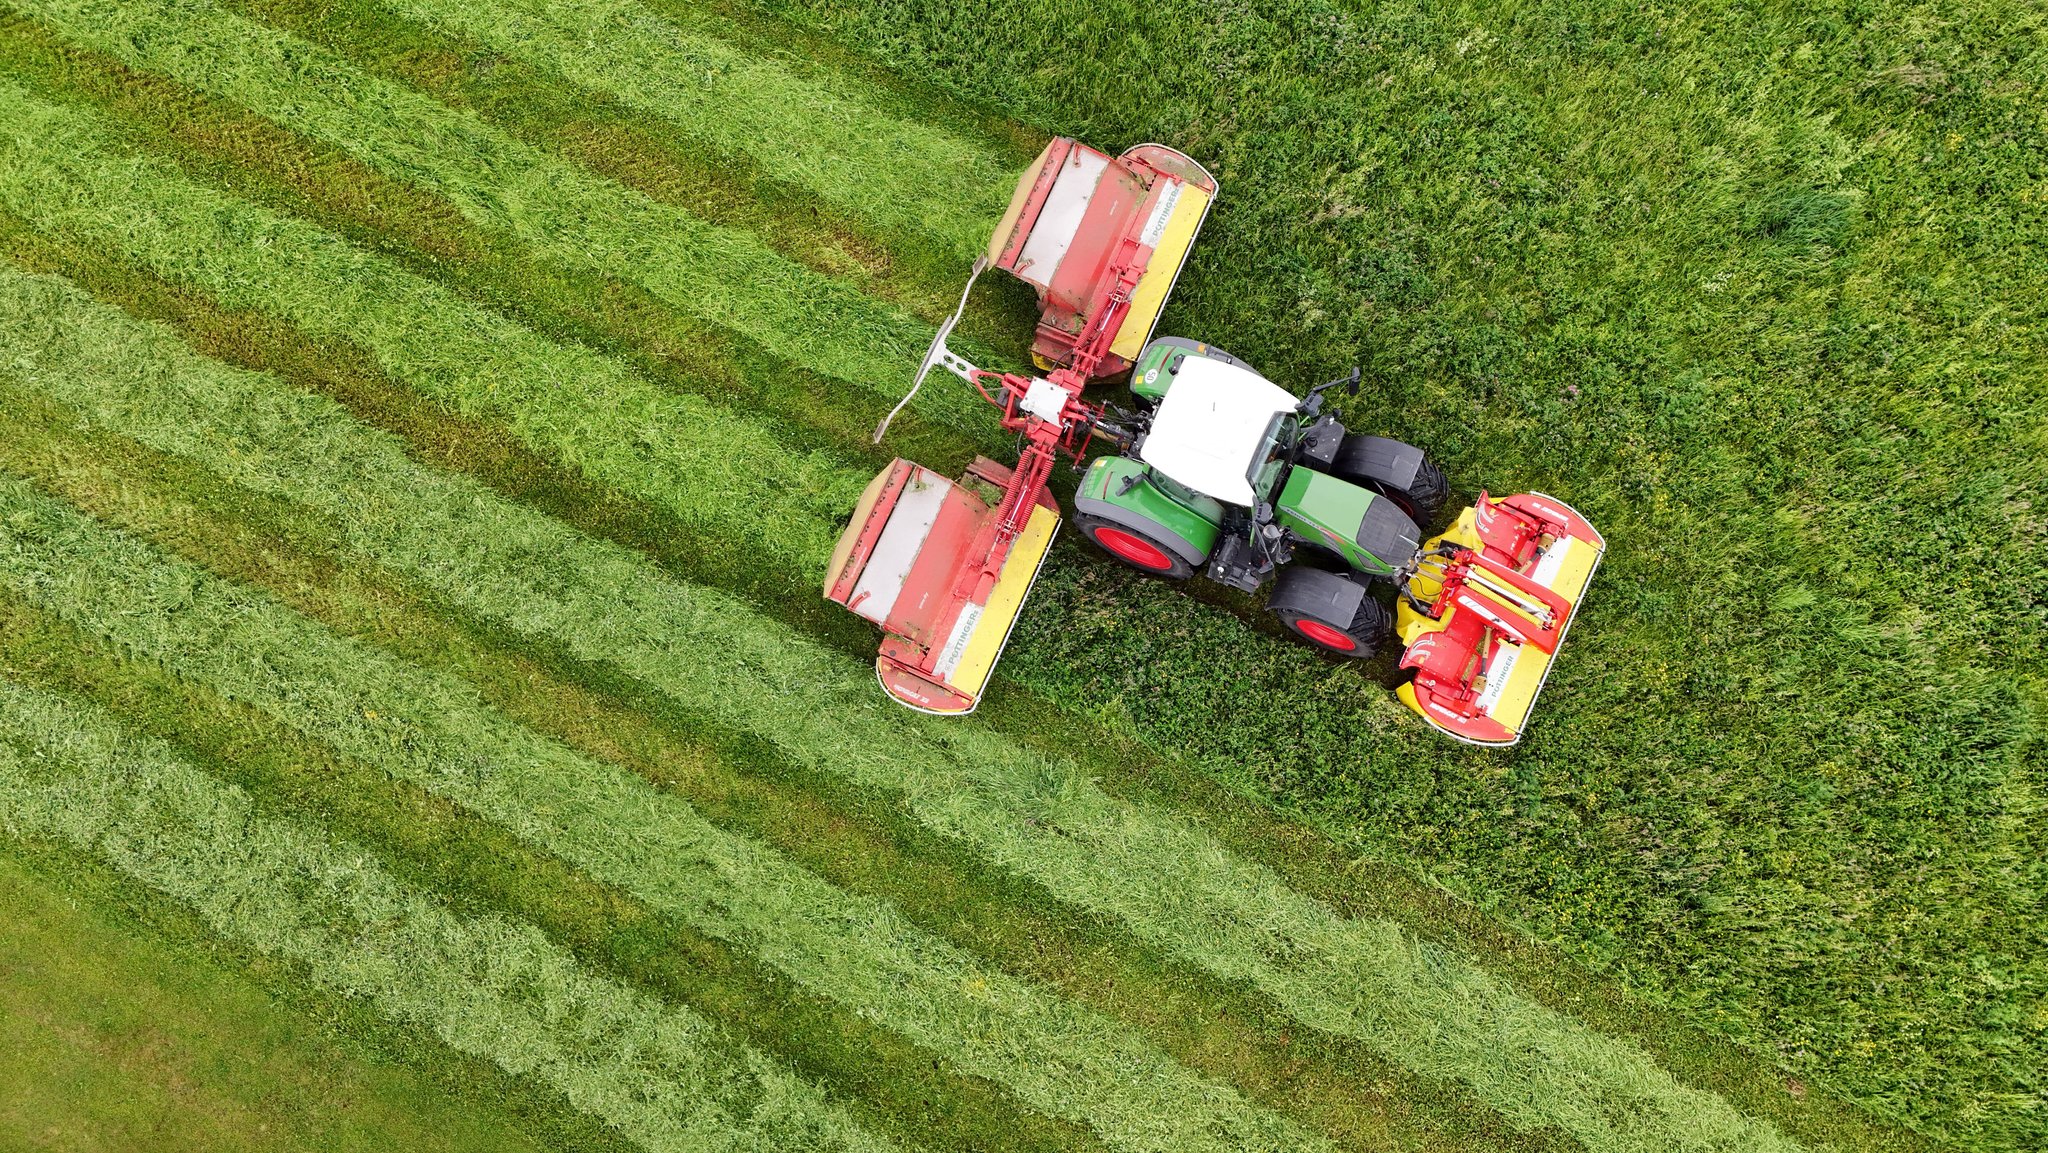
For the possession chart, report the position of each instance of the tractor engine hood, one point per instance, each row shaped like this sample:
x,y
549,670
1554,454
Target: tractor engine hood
x,y
1346,518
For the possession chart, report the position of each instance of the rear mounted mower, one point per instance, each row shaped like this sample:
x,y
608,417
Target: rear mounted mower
x,y
1217,469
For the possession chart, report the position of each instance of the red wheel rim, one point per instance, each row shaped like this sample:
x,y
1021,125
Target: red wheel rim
x,y
1132,549
1326,636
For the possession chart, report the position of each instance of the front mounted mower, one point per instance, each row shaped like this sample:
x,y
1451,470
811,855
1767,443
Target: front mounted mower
x,y
1215,469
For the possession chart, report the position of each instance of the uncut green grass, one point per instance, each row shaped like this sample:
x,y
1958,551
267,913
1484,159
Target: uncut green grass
x,y
112,1040
487,986
1759,288
622,831
1169,883
563,212
795,126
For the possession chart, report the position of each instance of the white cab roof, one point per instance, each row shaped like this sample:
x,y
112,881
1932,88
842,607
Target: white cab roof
x,y
1209,425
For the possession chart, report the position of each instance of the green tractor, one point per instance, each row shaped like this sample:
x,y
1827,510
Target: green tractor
x,y
1218,468
1230,473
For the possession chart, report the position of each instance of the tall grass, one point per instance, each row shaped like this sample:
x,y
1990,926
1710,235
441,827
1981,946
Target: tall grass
x,y
621,830
725,472
563,213
1169,883
810,128
485,985
1760,288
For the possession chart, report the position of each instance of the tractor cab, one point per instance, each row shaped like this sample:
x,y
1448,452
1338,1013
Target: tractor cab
x,y
1220,430
1248,459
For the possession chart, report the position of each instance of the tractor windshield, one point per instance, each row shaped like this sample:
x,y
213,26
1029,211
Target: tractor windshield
x,y
1271,459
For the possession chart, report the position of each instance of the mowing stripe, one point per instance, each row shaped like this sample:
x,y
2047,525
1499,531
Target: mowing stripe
x,y
228,146
121,1029
809,129
890,1085
436,732
912,270
488,986
724,473
564,213
1171,884
822,823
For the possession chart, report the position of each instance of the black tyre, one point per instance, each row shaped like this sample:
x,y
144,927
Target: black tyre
x,y
1425,498
1134,546
1331,612
1361,460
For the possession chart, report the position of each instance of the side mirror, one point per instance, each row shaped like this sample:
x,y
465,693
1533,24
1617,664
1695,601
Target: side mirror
x,y
1351,385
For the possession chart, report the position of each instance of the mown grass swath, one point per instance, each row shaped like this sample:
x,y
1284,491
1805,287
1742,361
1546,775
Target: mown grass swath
x,y
803,127
118,1035
1171,884
484,985
221,143
893,1086
622,831
1331,1085
724,471
564,213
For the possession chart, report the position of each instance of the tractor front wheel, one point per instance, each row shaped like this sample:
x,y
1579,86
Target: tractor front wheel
x,y
1331,611
1134,546
1422,498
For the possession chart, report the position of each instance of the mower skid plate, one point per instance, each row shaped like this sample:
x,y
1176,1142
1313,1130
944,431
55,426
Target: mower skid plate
x,y
920,559
1503,613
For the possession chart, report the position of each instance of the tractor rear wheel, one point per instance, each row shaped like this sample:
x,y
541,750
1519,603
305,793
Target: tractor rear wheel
x,y
1134,546
1331,612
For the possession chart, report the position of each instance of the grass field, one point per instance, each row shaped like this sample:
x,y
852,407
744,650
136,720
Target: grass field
x,y
428,419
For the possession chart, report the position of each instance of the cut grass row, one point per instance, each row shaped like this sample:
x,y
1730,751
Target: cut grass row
x,y
644,152
1361,1101
1167,882
623,832
230,147
490,987
726,474
112,1040
562,212
894,1087
800,128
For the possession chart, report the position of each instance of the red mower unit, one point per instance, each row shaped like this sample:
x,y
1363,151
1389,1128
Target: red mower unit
x,y
943,566
1484,608
1219,470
